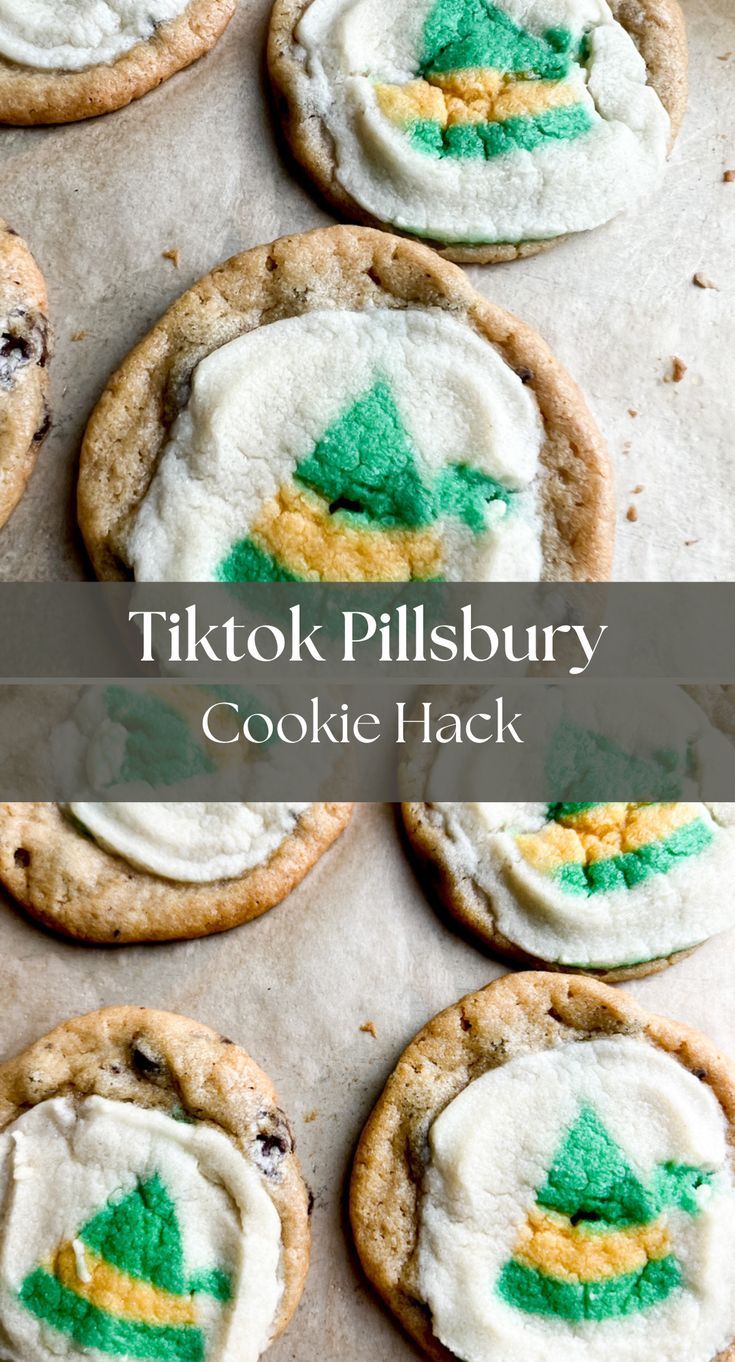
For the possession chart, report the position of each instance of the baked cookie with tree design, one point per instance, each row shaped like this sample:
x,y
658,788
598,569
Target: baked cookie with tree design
x,y
491,128
63,60
151,1202
618,890
343,406
24,354
548,1174
120,872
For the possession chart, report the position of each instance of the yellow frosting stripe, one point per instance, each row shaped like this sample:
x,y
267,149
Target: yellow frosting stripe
x,y
551,1244
601,832
405,104
115,1292
475,95
300,532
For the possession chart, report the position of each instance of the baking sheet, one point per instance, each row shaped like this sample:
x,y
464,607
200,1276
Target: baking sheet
x,y
195,167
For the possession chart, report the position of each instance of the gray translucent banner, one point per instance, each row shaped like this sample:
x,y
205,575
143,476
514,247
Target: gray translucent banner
x,y
426,691
514,741
422,632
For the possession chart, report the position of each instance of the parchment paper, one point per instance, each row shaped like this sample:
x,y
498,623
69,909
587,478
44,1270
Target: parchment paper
x,y
195,166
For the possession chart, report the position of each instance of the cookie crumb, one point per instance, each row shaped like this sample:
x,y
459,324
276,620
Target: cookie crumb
x,y
79,335
724,56
370,1028
628,445
174,255
678,369
702,281
728,176
640,488
310,1116
632,412
631,513
688,543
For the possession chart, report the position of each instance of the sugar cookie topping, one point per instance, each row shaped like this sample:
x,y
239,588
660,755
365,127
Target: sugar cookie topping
x,y
348,446
598,848
600,884
194,843
597,1243
70,35
580,1200
128,1233
482,121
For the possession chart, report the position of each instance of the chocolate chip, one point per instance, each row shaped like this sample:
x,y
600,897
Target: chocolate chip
x,y
525,375
22,856
272,1144
23,341
148,1062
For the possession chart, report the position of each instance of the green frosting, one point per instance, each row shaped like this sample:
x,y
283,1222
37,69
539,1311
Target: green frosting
x,y
633,867
246,562
139,1235
560,811
534,1292
367,470
463,33
366,466
91,1327
593,1185
582,756
159,748
488,140
591,1181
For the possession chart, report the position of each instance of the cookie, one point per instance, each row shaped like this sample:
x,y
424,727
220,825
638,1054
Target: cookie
x,y
618,890
548,1174
24,354
343,406
151,1202
118,873
490,128
62,60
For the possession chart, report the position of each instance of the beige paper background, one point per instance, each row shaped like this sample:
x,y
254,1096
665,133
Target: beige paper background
x,y
195,166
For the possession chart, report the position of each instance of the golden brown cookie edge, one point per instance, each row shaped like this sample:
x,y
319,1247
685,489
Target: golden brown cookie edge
x,y
76,888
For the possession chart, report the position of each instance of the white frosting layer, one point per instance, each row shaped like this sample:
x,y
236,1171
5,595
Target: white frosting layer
x,y
491,1150
665,913
261,404
559,187
59,1165
70,35
190,842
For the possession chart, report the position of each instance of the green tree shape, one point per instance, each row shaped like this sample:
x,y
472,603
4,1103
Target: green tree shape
x,y
465,33
462,34
592,1184
366,468
139,1234
159,748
